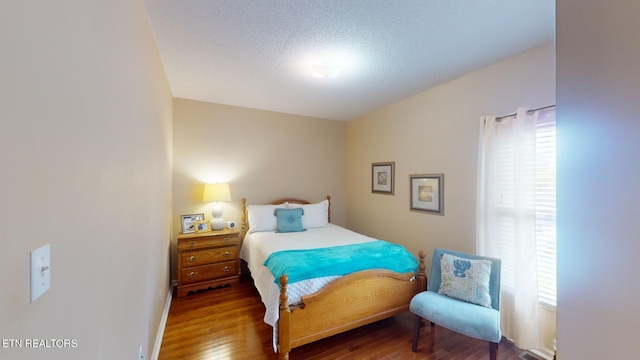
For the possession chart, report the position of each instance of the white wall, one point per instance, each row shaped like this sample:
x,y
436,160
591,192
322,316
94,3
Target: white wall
x,y
598,82
85,150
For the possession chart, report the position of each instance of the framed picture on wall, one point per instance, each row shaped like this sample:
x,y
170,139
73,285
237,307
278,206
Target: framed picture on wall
x,y
188,222
427,193
382,177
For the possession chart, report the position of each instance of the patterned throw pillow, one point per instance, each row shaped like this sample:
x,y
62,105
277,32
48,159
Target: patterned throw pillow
x,y
466,280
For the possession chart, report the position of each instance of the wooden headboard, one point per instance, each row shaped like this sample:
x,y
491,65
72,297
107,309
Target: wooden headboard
x,y
244,226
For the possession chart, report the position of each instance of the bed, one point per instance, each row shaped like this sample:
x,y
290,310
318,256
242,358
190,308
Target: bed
x,y
304,308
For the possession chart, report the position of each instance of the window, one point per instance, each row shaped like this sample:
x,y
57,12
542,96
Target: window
x,y
515,178
516,215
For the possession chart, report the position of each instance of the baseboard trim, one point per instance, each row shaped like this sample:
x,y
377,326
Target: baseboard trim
x,y
543,353
163,323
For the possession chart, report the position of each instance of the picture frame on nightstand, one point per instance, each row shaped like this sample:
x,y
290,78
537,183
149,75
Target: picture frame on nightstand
x,y
201,226
187,222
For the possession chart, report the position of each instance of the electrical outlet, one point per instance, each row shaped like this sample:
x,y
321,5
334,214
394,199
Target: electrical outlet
x,y
140,357
160,297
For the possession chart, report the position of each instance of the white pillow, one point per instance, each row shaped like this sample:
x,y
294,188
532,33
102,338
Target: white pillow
x,y
315,215
262,218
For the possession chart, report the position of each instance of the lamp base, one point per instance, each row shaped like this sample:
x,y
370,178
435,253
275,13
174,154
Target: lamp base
x,y
217,223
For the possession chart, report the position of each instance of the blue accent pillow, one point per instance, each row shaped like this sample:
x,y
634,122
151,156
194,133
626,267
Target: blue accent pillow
x,y
465,279
289,220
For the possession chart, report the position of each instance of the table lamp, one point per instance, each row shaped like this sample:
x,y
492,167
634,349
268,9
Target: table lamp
x,y
216,193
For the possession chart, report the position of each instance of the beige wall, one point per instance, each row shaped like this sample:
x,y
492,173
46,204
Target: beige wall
x,y
85,140
263,155
437,132
598,176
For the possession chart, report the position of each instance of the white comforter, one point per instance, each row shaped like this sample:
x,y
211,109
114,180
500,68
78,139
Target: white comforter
x,y
257,247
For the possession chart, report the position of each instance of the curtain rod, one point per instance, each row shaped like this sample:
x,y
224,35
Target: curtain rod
x,y
528,111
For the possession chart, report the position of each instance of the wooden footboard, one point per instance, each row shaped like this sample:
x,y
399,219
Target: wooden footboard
x,y
347,303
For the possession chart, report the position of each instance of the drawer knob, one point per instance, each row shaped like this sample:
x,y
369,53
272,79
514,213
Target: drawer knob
x,y
192,243
226,240
192,258
227,269
226,254
192,274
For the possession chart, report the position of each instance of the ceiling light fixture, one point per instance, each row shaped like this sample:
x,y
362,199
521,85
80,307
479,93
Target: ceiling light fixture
x,y
326,70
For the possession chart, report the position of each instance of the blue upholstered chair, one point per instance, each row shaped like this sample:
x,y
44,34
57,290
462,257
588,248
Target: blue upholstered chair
x,y
463,317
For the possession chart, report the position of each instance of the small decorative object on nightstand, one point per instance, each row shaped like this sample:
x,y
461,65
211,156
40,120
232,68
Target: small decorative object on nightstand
x,y
208,260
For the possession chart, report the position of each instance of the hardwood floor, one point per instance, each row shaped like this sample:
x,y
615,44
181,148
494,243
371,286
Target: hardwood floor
x,y
227,324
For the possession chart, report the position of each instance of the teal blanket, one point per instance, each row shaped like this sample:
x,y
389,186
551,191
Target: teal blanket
x,y
340,260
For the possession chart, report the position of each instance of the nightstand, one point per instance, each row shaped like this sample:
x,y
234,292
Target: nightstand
x,y
208,260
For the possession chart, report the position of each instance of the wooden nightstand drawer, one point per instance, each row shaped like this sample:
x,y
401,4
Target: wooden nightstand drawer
x,y
208,272
217,240
202,257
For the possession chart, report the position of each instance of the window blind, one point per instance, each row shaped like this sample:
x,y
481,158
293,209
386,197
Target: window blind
x,y
545,206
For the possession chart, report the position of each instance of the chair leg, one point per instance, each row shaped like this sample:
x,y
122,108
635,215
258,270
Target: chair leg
x,y
493,349
417,323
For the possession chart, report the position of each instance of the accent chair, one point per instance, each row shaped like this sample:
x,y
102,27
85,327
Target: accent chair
x,y
471,306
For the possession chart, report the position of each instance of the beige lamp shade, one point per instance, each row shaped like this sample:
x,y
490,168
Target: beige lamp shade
x,y
216,192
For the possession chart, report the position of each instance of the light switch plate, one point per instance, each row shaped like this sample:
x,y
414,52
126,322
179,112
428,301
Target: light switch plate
x,y
40,271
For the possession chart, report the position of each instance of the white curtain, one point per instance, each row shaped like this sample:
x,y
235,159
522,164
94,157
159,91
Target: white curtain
x,y
506,226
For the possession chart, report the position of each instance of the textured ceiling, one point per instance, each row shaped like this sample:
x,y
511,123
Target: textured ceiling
x,y
259,53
